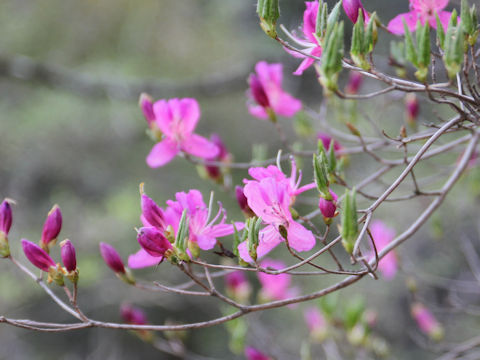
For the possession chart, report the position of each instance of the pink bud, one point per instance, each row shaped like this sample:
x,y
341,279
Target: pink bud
x,y
258,92
328,208
146,105
326,141
355,80
426,321
352,7
151,212
5,217
133,315
237,285
112,258
153,241
37,255
52,226
242,201
316,323
412,108
254,354
69,257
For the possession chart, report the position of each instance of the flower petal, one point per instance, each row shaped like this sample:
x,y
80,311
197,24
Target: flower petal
x,y
197,145
299,238
286,105
162,153
163,116
395,26
142,259
257,111
189,112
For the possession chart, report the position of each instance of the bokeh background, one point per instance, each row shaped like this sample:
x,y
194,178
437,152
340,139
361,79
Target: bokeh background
x,y
71,133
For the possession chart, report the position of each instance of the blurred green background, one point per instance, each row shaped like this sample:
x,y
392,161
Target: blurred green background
x,y
71,133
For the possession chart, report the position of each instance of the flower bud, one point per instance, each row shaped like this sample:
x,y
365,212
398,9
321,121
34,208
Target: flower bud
x,y
352,7
328,208
37,256
237,286
51,228
412,108
427,322
257,91
146,104
224,156
269,12
242,202
316,324
5,224
136,316
133,315
153,241
69,257
355,80
254,354
5,217
151,212
112,258
349,228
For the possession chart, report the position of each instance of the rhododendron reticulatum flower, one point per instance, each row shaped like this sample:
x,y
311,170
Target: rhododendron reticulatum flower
x,y
423,10
275,287
177,119
267,95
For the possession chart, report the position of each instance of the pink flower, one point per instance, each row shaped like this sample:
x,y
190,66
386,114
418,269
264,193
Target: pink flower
x,y
275,287
316,323
267,94
52,227
202,230
112,258
427,322
69,257
273,172
382,236
5,217
177,119
254,354
309,42
152,214
37,256
352,7
423,10
270,200
328,208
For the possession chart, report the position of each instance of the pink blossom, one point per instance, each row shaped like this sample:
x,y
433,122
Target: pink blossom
x,y
382,236
275,287
292,182
270,200
423,10
316,323
309,41
426,321
202,230
352,7
177,119
267,94
254,354
328,208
